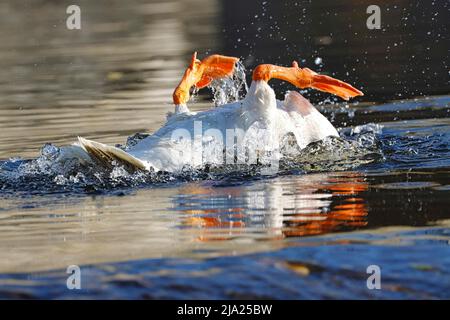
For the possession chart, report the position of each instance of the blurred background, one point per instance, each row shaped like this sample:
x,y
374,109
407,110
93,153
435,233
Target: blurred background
x,y
407,57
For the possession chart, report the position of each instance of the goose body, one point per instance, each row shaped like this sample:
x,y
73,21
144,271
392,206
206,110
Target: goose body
x,y
259,111
258,123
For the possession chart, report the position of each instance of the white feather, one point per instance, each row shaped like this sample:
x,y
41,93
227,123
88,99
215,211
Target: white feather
x,y
193,139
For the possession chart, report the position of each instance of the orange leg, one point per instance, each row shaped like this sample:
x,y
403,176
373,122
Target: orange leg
x,y
305,78
201,73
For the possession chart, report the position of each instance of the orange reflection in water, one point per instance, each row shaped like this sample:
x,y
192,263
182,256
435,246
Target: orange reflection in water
x,y
295,207
347,211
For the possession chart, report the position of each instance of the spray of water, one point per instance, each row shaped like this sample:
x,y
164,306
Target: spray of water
x,y
230,89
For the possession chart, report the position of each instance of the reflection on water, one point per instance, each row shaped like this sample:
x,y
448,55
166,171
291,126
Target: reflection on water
x,y
307,205
175,221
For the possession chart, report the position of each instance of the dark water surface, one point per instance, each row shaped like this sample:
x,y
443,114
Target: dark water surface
x,y
309,232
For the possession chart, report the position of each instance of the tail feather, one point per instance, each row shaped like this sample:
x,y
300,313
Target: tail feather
x,y
105,155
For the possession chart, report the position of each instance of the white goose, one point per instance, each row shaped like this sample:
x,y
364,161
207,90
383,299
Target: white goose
x,y
258,122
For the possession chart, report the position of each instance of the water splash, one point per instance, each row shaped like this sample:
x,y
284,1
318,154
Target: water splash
x,y
43,175
230,89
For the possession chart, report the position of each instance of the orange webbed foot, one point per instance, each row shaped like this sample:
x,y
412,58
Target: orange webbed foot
x,y
306,78
202,73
